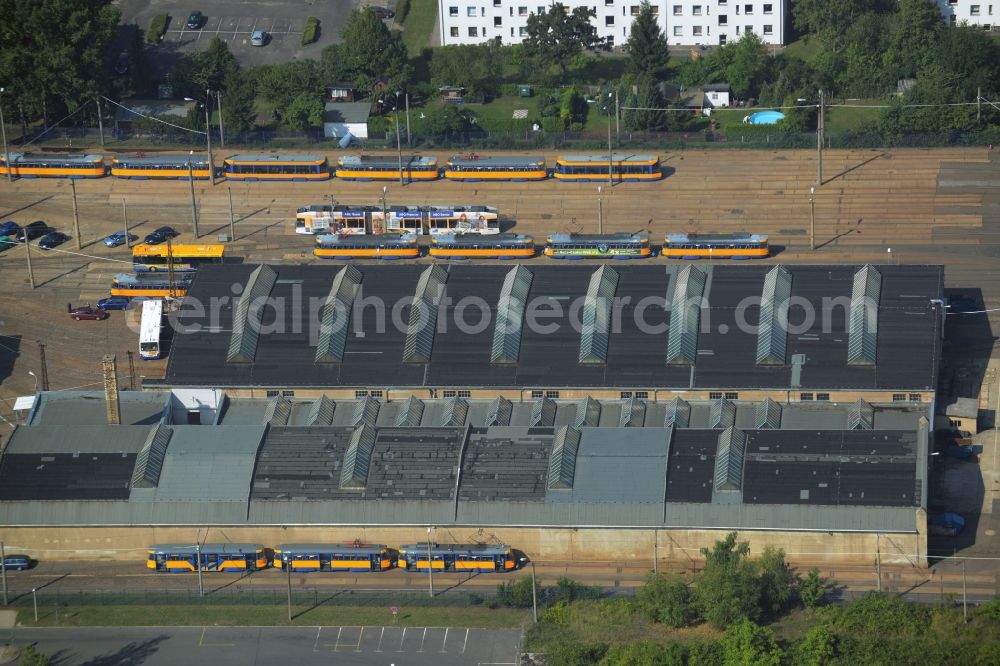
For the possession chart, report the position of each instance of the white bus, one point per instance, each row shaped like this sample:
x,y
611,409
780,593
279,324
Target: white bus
x,y
149,329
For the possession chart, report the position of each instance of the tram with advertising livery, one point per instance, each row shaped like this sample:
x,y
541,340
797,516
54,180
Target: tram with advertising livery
x,y
598,246
150,285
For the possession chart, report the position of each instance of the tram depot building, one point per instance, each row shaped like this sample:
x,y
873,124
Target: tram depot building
x,y
585,412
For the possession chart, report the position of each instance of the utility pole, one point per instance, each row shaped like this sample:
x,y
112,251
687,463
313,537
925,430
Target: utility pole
x,y
600,212
812,218
222,133
656,565
76,214
6,153
819,139
27,255
878,563
409,139
399,146
232,218
611,180
618,122
43,366
208,143
131,371
194,205
430,564
100,121
288,570
197,566
171,285
3,571
128,238
965,598
534,594
979,104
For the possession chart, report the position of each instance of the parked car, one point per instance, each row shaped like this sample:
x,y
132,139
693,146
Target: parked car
x,y
113,303
121,64
17,562
160,235
52,239
195,20
259,38
87,312
10,228
118,238
32,231
383,12
946,524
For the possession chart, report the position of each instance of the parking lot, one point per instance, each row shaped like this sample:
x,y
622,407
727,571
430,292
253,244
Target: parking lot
x,y
234,22
360,646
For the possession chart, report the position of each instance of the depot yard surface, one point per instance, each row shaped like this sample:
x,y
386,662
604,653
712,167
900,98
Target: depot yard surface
x,y
927,206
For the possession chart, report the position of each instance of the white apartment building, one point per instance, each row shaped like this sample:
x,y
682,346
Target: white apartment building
x,y
684,22
985,13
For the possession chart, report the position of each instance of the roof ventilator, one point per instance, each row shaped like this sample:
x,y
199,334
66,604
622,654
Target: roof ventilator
x,y
729,458
685,314
543,412
863,325
411,412
722,414
510,316
562,461
423,315
767,415
678,413
357,459
772,330
335,317
149,462
247,315
596,319
861,415
321,412
500,412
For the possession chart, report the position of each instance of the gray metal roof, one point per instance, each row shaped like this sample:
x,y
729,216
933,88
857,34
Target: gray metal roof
x,y
74,407
39,439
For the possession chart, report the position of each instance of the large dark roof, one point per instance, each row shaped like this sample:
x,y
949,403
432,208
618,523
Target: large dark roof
x,y
907,334
66,476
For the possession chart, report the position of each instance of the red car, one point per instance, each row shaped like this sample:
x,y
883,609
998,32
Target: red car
x,y
87,312
383,12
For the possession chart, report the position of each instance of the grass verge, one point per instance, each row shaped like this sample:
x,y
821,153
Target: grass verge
x,y
418,24
156,29
311,31
237,615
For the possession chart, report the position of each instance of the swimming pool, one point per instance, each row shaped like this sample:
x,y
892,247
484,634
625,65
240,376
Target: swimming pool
x,y
765,118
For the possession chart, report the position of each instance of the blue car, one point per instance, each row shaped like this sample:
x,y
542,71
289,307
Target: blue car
x,y
10,228
118,238
113,303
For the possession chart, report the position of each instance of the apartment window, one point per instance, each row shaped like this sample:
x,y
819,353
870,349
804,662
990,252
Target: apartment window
x,y
454,31
609,3
715,395
952,20
453,11
361,394
609,20
991,10
768,29
678,10
272,394
737,30
470,12
696,31
899,397
915,397
748,28
952,2
732,395
748,10
723,19
473,32
522,11
522,31
722,40
806,397
722,3
974,10
626,394
497,3
537,394
642,395
497,22
825,397
656,11
552,394
611,41
375,393
768,9
634,9
540,10
288,394
678,31
696,10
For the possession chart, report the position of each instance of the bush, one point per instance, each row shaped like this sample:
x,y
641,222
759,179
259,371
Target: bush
x,y
311,31
157,27
517,594
666,599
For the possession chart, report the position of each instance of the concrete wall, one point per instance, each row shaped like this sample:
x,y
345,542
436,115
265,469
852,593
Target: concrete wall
x,y
542,545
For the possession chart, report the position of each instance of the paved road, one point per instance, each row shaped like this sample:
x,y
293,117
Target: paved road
x,y
303,646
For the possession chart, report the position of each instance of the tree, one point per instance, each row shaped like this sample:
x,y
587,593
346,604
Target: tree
x,y
777,582
747,644
817,648
369,51
238,113
666,599
915,28
645,653
727,590
750,66
32,657
476,67
516,593
447,120
573,111
827,19
304,112
193,75
813,589
556,35
573,653
647,45
973,57
280,84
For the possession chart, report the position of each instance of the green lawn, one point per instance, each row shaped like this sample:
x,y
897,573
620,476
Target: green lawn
x,y
418,25
843,119
804,49
270,615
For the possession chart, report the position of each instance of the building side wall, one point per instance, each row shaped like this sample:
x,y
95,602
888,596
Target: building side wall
x,y
973,12
679,547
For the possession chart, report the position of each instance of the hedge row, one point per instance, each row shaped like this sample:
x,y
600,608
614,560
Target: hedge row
x,y
311,31
157,27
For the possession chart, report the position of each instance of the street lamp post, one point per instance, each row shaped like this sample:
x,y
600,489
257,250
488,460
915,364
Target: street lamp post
x,y
430,563
208,134
399,145
600,211
35,377
3,129
194,204
222,133
812,218
385,220
611,180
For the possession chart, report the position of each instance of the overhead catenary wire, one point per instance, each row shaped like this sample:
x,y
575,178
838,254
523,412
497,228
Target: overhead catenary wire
x,y
159,120
802,106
